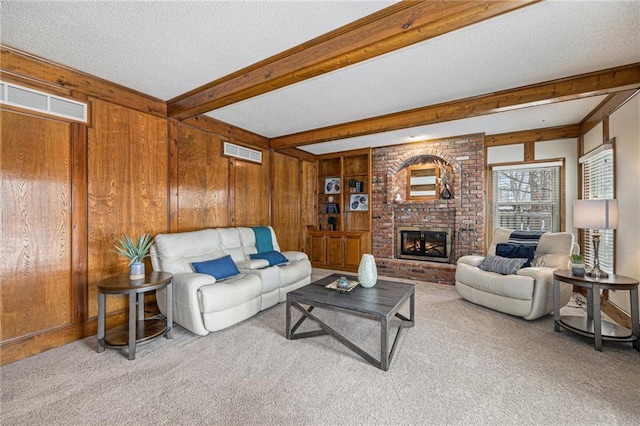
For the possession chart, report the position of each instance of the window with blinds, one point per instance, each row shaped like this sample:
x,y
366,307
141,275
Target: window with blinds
x,y
597,182
527,196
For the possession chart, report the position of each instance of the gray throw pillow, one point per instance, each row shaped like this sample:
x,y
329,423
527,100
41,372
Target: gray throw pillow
x,y
502,265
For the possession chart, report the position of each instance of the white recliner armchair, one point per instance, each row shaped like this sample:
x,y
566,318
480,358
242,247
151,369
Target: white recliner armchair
x,y
529,292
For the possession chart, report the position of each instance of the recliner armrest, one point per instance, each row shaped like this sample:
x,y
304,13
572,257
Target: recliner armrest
x,y
293,256
539,273
473,260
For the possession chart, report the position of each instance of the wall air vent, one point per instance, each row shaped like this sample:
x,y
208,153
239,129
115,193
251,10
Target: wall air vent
x,y
35,100
242,153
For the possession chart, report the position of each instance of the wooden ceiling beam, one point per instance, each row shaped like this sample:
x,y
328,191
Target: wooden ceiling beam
x,y
565,89
535,135
392,28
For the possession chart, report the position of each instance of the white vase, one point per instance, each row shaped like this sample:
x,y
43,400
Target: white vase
x,y
136,271
367,272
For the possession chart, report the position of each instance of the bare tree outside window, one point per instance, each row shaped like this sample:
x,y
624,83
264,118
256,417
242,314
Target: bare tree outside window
x,y
527,198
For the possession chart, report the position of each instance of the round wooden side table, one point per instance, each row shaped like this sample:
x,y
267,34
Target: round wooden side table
x,y
592,325
138,330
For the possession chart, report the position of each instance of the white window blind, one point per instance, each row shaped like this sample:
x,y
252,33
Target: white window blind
x,y
527,196
597,182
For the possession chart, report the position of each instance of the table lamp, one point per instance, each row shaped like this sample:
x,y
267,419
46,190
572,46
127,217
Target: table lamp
x,y
595,214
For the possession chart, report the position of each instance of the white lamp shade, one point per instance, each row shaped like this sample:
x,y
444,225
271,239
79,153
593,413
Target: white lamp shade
x,y
595,214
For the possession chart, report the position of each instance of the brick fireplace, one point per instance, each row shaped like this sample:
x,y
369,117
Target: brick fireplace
x,y
462,214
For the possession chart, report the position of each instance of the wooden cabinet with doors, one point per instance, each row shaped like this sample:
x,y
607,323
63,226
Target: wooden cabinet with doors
x,y
338,250
343,227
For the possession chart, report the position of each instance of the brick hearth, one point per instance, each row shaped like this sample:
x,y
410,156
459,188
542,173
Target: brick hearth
x,y
464,213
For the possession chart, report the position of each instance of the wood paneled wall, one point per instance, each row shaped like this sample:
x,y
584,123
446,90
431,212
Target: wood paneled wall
x,y
286,201
70,189
215,191
127,188
250,189
203,180
36,210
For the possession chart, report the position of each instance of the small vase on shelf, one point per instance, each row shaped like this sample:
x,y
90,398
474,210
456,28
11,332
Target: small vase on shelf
x,y
367,271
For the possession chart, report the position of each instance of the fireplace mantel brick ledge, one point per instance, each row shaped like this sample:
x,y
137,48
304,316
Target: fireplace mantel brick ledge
x,y
434,272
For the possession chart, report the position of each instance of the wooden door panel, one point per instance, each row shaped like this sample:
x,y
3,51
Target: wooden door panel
x,y
335,251
36,224
353,250
317,252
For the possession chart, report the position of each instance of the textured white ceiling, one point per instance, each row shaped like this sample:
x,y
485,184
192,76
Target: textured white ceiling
x,y
538,43
167,48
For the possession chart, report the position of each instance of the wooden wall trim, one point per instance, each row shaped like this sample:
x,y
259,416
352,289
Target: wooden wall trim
x,y
577,87
236,134
392,28
20,63
80,223
172,176
298,153
606,107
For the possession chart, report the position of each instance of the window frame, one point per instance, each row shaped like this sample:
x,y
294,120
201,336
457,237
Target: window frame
x,y
561,163
607,236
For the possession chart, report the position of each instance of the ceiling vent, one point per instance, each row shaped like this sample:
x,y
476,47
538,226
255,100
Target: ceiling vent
x,y
34,100
242,153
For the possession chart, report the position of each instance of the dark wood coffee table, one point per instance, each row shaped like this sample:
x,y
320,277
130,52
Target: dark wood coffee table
x,y
379,303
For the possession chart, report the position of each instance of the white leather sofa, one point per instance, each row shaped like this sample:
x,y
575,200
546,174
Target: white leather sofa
x,y
529,292
202,304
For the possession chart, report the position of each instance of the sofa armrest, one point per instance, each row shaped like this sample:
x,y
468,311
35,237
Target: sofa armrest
x,y
252,264
542,302
293,256
473,260
186,307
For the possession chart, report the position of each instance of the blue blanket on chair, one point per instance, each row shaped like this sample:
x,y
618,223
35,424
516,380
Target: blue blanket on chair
x,y
264,241
525,238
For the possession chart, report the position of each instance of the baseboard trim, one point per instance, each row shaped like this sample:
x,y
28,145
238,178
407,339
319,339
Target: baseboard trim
x,y
33,344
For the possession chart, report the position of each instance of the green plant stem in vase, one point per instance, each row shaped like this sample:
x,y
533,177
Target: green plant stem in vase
x,y
135,251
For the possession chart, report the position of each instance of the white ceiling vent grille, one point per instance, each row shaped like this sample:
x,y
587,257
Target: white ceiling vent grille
x,y
34,100
242,153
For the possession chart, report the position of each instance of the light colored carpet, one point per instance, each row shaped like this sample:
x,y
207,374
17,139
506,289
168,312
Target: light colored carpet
x,y
460,364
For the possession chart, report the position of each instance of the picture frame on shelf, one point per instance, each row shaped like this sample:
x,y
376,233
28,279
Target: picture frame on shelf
x,y
359,202
332,185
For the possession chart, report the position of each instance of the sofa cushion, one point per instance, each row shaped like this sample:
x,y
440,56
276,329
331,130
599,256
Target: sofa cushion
x,y
273,257
516,251
502,265
293,272
220,268
174,253
229,293
509,286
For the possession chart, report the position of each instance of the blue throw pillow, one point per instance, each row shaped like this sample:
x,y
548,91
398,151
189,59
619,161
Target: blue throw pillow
x,y
274,257
516,251
220,269
501,265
